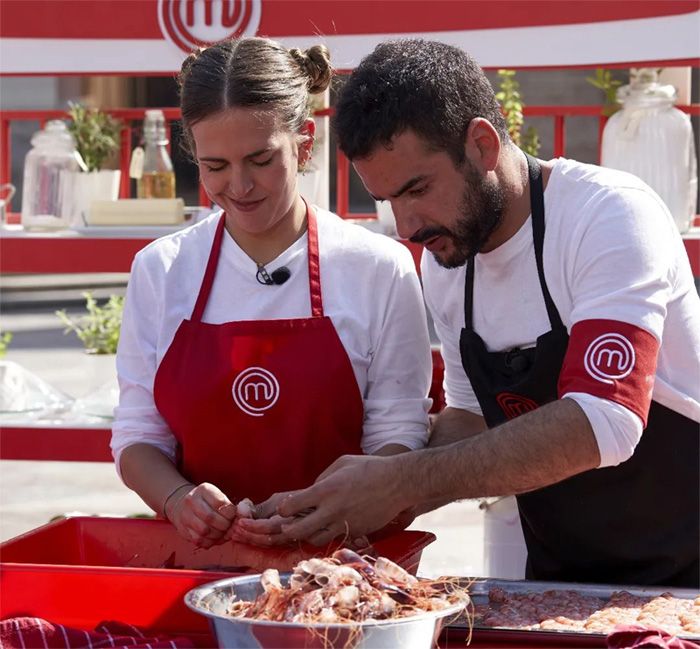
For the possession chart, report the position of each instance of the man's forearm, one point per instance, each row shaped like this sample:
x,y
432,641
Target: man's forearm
x,y
453,425
535,450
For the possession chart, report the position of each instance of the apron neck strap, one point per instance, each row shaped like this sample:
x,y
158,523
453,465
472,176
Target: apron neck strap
x,y
314,267
314,263
537,207
537,212
210,271
469,294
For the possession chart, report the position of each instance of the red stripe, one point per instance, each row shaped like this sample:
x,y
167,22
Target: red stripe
x,y
138,18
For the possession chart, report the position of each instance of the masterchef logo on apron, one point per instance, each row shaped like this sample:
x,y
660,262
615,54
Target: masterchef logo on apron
x,y
191,23
514,405
255,390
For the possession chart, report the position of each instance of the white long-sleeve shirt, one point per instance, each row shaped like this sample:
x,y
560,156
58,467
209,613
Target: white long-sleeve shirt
x,y
370,292
611,253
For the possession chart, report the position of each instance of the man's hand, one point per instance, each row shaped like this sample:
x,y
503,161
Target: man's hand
x,y
202,514
354,496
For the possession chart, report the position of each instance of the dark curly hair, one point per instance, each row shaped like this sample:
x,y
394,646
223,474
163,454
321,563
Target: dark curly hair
x,y
251,72
429,87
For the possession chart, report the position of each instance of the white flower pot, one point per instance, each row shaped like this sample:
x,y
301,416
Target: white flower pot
x,y
100,185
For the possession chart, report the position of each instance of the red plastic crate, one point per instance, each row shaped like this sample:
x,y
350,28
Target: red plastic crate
x,y
81,571
154,544
82,597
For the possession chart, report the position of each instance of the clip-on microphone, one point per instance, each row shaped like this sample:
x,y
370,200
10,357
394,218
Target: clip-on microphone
x,y
279,276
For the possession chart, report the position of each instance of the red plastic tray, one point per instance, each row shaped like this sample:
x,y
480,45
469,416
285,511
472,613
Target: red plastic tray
x,y
81,571
154,544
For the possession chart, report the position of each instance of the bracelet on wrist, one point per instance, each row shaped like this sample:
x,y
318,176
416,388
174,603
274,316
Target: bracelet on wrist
x,y
170,495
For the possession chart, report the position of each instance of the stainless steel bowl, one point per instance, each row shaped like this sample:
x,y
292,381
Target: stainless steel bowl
x,y
211,600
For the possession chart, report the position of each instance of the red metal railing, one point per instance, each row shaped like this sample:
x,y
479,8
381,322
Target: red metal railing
x,y
557,113
127,115
130,115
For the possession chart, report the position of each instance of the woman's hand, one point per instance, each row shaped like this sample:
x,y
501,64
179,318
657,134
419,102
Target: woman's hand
x,y
201,513
266,526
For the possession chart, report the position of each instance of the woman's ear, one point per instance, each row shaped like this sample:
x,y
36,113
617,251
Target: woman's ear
x,y
306,142
482,145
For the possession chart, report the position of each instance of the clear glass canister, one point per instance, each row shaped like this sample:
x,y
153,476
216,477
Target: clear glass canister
x,y
652,139
49,169
157,178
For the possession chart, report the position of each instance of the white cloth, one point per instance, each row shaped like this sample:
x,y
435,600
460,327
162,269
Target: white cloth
x,y
611,251
370,291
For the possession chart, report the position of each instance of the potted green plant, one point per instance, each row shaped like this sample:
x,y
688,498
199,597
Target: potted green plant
x,y
98,329
96,136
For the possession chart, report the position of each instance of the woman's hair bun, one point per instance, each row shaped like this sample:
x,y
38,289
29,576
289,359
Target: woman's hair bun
x,y
316,64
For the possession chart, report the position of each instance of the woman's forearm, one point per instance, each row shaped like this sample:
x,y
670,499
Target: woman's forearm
x,y
150,473
453,425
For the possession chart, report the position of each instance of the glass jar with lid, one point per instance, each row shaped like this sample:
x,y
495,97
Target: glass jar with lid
x,y
652,139
49,169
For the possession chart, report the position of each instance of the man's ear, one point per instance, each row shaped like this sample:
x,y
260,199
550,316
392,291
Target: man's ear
x,y
482,144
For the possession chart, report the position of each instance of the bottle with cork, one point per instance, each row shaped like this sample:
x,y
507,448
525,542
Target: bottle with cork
x,y
151,165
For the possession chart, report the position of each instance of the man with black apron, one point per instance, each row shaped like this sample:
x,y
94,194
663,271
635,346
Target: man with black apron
x,y
570,335
572,529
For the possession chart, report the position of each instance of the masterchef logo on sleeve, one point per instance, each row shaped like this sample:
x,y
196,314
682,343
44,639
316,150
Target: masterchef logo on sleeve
x,y
612,360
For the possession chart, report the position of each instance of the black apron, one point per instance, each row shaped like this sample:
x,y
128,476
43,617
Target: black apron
x,y
635,523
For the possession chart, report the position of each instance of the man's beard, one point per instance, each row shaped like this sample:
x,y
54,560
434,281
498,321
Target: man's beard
x,y
479,215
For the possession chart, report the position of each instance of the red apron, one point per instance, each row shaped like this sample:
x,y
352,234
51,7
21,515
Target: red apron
x,y
259,406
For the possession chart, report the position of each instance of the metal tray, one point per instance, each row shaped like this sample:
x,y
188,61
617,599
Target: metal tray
x,y
479,591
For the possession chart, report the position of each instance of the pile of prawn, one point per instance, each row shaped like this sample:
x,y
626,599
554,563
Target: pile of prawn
x,y
347,588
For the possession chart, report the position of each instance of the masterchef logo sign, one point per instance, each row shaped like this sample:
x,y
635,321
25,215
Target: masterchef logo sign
x,y
255,390
514,405
193,23
609,358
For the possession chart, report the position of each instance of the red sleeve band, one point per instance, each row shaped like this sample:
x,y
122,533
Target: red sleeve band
x,y
612,360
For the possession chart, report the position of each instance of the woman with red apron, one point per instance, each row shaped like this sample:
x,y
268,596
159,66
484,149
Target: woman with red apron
x,y
286,383
256,406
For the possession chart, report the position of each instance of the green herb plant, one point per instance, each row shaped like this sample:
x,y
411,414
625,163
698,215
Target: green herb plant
x,y
96,134
99,328
512,104
5,339
604,80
